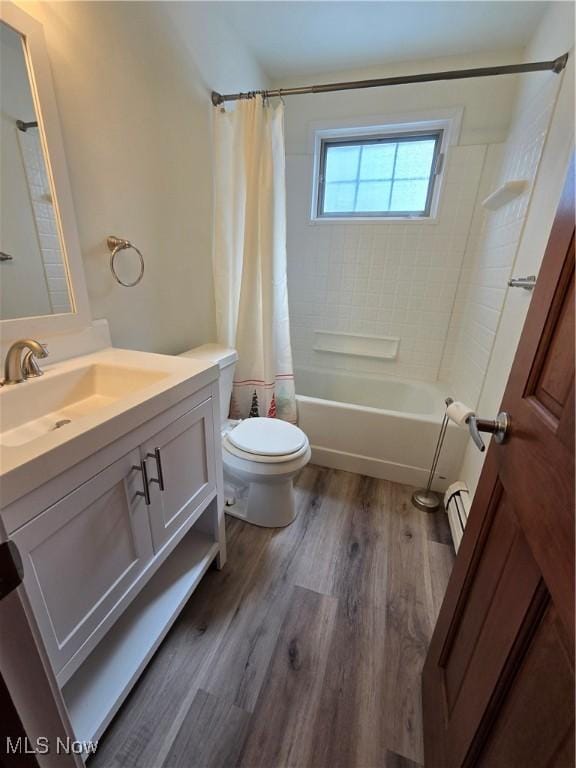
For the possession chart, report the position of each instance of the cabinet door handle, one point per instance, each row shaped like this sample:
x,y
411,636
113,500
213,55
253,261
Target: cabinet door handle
x,y
146,490
158,458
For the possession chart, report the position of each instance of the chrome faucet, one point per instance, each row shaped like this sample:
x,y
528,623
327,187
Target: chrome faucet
x,y
18,368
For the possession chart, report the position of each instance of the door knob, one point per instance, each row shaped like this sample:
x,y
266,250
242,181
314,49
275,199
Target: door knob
x,y
499,427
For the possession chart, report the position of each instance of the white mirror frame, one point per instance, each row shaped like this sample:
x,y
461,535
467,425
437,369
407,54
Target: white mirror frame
x,y
40,77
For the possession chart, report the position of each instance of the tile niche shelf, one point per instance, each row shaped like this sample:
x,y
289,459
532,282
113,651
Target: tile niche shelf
x,y
505,194
356,345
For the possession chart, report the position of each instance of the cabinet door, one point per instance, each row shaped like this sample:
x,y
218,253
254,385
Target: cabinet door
x,y
83,553
182,455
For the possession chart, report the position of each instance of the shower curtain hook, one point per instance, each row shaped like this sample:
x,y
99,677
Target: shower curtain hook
x,y
281,97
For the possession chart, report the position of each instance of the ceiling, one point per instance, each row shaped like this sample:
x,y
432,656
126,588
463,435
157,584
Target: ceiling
x,y
297,38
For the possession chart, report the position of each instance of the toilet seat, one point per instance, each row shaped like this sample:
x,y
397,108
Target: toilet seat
x,y
265,441
267,437
250,467
257,458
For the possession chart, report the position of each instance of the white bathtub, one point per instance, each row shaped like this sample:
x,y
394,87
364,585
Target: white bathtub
x,y
376,426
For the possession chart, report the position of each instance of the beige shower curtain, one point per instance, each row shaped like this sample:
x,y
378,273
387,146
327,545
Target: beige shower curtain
x,y
250,256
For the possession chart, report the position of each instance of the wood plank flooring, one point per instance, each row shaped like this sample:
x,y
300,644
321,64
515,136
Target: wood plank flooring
x,y
306,650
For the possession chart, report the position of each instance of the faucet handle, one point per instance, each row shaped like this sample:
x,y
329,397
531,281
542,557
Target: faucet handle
x,y
30,367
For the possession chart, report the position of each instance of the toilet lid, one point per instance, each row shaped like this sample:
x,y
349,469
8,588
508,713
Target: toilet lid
x,y
267,437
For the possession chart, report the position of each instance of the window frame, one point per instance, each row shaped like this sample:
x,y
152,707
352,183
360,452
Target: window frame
x,y
388,137
448,120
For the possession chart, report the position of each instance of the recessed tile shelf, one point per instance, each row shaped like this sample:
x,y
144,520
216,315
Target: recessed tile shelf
x,y
505,193
357,345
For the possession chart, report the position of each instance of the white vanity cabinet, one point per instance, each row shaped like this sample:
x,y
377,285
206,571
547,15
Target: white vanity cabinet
x,y
181,471
82,555
123,540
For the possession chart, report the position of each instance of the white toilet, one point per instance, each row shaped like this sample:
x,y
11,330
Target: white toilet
x,y
260,455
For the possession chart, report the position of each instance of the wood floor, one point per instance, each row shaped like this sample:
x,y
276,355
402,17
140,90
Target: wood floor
x,y
306,649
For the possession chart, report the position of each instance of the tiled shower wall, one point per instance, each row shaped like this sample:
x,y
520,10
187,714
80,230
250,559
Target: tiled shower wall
x,y
383,278
492,249
47,230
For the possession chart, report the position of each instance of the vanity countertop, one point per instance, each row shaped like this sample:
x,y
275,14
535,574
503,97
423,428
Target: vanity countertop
x,y
106,395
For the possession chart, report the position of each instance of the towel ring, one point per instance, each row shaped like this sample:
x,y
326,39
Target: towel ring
x,y
117,244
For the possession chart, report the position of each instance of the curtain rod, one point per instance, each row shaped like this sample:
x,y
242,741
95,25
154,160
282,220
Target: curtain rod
x,y
557,65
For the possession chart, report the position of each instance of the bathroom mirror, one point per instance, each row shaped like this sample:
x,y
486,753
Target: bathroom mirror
x,y
41,278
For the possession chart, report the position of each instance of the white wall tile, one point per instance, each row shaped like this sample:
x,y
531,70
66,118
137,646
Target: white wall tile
x,y
45,220
492,251
382,278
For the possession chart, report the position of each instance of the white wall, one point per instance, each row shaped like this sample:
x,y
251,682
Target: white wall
x,y
542,128
388,278
132,83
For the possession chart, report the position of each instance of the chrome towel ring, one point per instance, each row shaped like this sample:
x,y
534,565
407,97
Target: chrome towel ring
x,y
117,244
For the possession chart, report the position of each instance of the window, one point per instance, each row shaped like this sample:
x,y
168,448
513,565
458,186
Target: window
x,y
378,175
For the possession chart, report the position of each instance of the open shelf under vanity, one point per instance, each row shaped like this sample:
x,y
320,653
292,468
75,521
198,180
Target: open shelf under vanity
x,y
95,692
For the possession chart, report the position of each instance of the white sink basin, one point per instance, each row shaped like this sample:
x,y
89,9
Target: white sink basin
x,y
33,408
98,398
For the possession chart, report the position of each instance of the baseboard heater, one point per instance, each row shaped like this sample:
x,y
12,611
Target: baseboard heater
x,y
457,503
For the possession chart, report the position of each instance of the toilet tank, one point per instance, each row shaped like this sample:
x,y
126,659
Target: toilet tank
x,y
226,359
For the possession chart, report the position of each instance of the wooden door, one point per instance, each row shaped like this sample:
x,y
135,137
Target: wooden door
x,y
182,456
81,556
498,681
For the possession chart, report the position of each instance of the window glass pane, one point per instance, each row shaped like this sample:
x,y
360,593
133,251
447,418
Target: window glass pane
x,y
414,159
341,163
373,196
388,176
339,197
409,196
377,161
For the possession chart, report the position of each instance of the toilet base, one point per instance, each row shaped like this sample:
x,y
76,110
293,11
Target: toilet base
x,y
269,505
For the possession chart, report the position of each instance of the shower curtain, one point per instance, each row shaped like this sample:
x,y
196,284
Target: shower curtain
x,y
250,257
